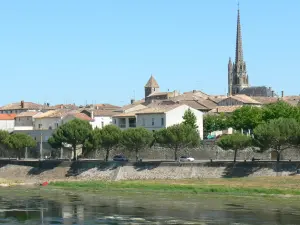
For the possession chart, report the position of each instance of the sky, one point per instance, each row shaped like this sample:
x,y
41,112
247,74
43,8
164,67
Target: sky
x,y
104,51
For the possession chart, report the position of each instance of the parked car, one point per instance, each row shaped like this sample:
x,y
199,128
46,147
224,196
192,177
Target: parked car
x,y
120,158
186,159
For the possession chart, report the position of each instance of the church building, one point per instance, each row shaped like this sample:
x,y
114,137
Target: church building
x,y
238,80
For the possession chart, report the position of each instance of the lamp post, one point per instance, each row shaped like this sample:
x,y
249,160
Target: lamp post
x,y
41,147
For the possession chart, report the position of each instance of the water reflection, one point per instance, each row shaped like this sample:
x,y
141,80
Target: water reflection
x,y
52,207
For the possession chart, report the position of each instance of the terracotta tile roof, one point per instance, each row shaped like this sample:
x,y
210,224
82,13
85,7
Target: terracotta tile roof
x,y
266,100
225,109
152,83
104,113
159,93
158,109
82,116
245,99
18,105
64,106
58,113
130,106
7,116
195,104
217,98
28,114
293,100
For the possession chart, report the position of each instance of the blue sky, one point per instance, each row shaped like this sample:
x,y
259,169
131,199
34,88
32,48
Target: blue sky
x,y
96,51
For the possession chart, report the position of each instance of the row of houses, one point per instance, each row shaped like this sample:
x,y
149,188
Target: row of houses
x,y
157,110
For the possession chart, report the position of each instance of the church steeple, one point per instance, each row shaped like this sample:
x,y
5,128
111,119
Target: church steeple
x,y
239,45
237,73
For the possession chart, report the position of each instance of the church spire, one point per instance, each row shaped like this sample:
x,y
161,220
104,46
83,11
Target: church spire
x,y
239,46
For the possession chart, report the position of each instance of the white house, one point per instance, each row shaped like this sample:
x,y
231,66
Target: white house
x,y
50,120
100,118
155,118
7,122
25,120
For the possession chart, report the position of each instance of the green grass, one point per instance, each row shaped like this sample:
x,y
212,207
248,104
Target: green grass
x,y
157,186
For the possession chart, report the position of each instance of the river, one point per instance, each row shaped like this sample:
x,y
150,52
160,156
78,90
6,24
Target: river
x,y
47,206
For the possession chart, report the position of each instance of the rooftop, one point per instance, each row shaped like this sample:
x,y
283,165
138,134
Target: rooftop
x,y
21,105
28,114
7,116
152,83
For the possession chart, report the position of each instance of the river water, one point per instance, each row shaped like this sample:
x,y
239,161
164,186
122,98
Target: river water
x,y
48,206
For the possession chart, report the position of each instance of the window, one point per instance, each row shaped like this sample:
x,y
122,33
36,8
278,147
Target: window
x,y
152,121
40,125
143,122
115,121
27,118
56,125
102,124
50,128
162,121
19,118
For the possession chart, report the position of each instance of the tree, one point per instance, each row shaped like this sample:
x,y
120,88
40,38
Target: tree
x,y
177,137
74,132
246,117
19,141
278,134
280,109
190,119
136,139
93,141
3,135
236,141
110,137
215,122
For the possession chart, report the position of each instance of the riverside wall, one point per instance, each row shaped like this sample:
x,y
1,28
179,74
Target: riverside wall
x,y
53,170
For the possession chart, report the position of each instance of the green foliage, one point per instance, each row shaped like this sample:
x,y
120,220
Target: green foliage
x,y
135,139
74,132
234,142
178,136
93,141
190,119
247,117
19,141
277,134
280,109
110,137
215,122
3,135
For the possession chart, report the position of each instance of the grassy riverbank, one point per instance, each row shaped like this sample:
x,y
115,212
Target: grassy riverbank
x,y
255,185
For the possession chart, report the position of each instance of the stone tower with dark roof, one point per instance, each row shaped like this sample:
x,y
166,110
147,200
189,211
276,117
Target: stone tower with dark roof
x,y
151,87
237,71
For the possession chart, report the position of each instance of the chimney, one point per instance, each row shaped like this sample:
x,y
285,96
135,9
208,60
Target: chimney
x,y
132,101
272,93
22,104
217,109
282,94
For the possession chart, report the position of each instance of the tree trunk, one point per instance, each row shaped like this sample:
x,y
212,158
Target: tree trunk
x,y
278,155
176,157
235,152
74,153
136,155
107,154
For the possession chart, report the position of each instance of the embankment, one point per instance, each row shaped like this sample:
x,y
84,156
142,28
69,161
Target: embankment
x,y
54,170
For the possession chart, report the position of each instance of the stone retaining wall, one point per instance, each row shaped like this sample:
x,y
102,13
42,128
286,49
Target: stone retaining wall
x,y
38,171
